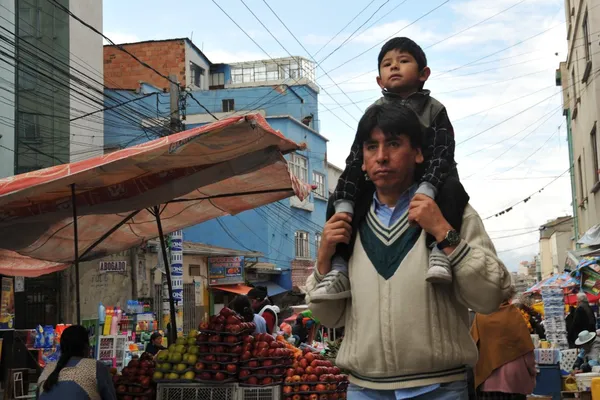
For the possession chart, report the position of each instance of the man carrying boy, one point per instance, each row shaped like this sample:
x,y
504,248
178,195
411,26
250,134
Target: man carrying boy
x,y
405,338
402,73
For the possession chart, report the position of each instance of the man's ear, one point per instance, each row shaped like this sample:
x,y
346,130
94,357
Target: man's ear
x,y
424,75
380,83
419,159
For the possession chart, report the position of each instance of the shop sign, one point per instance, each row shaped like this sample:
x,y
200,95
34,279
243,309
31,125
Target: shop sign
x,y
225,270
7,304
112,266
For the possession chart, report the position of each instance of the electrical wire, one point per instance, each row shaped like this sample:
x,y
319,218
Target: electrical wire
x,y
525,200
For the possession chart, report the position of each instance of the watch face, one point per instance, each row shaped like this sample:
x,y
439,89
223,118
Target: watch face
x,y
453,237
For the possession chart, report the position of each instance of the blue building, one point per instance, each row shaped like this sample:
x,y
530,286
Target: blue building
x,y
284,91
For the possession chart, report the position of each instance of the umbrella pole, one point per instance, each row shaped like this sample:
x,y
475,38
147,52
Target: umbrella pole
x,y
76,249
163,245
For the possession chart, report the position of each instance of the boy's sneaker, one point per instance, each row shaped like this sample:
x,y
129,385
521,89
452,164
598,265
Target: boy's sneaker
x,y
335,286
439,267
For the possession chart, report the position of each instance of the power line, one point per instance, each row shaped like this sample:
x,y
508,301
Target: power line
x,y
352,34
525,200
272,59
371,48
517,248
345,26
144,64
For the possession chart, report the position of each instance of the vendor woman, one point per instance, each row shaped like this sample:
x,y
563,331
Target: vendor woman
x,y
155,344
589,350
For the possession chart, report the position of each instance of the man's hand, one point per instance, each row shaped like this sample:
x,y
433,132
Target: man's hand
x,y
424,211
337,230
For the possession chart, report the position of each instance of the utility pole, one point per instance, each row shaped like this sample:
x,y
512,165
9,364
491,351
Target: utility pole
x,y
174,92
173,279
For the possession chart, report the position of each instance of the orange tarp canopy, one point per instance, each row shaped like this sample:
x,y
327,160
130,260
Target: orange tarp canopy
x,y
219,169
237,289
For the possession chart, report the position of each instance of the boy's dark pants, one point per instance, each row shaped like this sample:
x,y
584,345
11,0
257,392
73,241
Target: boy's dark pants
x,y
451,199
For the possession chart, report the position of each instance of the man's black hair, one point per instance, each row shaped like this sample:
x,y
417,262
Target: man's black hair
x,y
393,120
403,44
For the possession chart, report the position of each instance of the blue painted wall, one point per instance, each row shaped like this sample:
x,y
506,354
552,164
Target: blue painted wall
x,y
296,101
269,229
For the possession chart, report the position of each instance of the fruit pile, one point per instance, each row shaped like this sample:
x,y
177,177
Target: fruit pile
x,y
135,381
311,377
177,362
220,346
264,360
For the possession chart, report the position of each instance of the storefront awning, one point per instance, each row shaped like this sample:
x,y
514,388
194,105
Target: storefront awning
x,y
237,289
273,289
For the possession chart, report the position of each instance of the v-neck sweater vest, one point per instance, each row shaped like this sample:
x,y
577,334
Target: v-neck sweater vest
x,y
400,331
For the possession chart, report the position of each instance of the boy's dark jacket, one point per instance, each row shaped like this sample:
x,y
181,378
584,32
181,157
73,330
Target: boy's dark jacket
x,y
438,147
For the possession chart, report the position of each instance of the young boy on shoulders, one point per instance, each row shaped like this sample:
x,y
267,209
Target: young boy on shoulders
x,y
403,72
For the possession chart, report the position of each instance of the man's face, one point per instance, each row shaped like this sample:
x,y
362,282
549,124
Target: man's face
x,y
390,162
158,341
399,71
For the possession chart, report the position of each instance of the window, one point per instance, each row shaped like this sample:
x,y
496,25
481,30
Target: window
x,y
29,129
317,241
217,79
194,270
319,180
594,154
574,83
27,81
581,188
228,105
299,167
26,22
197,74
586,37
302,249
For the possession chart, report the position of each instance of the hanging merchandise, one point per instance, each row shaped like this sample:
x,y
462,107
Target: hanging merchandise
x,y
554,321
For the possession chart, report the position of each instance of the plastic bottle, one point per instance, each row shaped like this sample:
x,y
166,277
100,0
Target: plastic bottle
x,y
101,313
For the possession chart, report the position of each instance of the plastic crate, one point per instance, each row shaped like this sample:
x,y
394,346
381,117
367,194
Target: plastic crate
x,y
259,393
195,391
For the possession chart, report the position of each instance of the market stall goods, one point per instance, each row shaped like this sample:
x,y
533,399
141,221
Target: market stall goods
x,y
135,381
312,377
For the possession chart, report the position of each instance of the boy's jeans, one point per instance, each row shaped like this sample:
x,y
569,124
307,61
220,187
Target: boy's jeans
x,y
449,391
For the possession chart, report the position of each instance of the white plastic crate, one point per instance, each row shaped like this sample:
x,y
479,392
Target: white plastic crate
x,y
259,393
195,391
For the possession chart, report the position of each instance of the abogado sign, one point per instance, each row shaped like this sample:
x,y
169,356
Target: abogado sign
x,y
112,266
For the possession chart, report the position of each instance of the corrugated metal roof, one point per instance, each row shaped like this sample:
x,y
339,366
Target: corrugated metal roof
x,y
204,249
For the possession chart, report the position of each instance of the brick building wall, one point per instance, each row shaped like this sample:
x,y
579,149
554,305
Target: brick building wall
x,y
123,72
301,269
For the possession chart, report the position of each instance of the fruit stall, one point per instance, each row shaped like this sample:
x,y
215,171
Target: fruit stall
x,y
223,359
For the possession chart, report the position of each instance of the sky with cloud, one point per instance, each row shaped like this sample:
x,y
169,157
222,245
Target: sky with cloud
x,y
493,66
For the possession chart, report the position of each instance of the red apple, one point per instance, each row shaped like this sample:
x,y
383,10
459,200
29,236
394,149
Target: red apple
x,y
267,381
231,368
244,373
200,366
252,380
246,356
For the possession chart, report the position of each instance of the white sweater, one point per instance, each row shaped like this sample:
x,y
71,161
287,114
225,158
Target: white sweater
x,y
404,332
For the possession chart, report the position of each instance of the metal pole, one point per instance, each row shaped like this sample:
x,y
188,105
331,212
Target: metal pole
x,y
76,247
163,245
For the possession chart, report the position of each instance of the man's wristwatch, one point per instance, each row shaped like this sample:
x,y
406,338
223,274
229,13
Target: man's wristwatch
x,y
452,239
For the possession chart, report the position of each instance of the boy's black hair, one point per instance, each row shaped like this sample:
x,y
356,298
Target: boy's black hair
x,y
403,44
393,120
